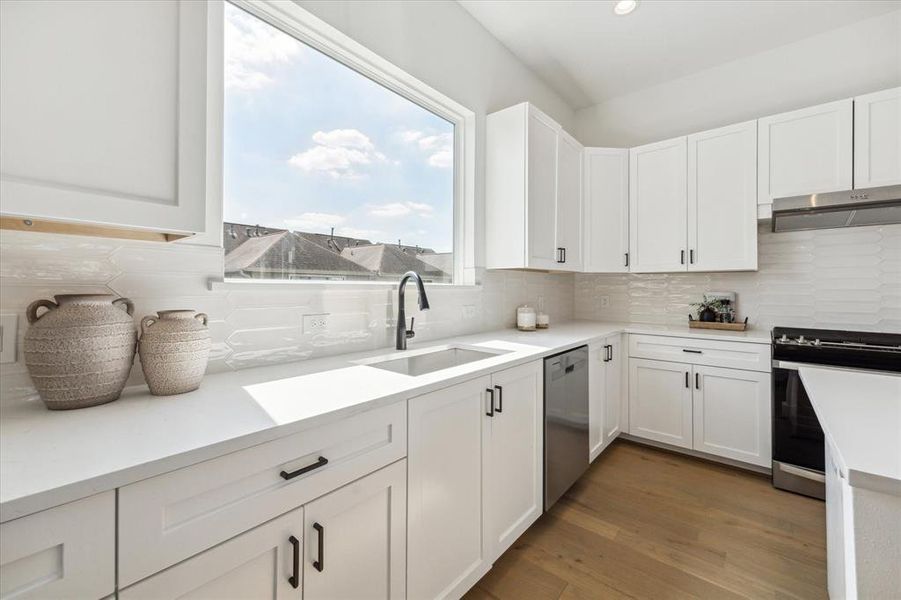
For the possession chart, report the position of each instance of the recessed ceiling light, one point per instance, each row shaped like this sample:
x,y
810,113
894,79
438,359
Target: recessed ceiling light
x,y
624,7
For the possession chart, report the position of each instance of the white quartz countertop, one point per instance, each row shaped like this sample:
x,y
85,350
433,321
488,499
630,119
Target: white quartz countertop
x,y
860,413
48,458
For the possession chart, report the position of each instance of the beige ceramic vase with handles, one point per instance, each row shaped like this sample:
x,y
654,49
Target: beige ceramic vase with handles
x,y
80,351
174,348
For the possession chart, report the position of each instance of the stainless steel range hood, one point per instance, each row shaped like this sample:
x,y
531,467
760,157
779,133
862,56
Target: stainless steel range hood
x,y
853,208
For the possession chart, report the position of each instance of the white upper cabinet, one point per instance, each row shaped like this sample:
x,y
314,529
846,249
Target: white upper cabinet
x,y
569,202
806,151
722,210
606,210
657,207
104,118
533,192
877,139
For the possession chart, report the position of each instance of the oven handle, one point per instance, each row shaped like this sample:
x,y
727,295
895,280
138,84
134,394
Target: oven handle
x,y
800,472
793,366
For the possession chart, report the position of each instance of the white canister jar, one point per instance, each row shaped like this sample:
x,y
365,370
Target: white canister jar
x,y
543,321
526,319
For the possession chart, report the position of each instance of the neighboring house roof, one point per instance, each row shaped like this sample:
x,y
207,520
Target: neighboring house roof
x,y
335,243
287,252
442,260
235,234
388,259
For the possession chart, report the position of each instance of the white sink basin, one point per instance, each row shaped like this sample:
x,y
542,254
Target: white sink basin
x,y
429,360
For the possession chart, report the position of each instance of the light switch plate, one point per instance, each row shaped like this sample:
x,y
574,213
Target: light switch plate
x,y
8,334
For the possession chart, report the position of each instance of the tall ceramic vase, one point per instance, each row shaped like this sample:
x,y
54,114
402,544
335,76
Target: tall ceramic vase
x,y
174,348
80,351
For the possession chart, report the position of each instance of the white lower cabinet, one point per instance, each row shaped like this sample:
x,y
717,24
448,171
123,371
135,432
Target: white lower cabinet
x,y
445,552
355,539
660,401
63,552
605,394
475,477
732,410
838,527
264,562
512,457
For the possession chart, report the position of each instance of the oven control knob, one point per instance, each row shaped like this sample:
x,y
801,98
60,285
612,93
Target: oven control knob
x,y
816,342
801,340
784,339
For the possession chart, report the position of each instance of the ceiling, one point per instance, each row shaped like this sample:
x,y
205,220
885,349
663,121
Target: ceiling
x,y
588,54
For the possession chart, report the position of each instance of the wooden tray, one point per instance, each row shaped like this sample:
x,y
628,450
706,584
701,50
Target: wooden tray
x,y
713,325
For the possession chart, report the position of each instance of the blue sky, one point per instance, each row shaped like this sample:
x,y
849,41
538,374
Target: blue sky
x,y
310,144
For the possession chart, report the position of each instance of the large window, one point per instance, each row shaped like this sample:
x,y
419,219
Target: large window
x,y
328,175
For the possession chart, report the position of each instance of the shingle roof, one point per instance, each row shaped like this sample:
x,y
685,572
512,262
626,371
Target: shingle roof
x,y
235,234
287,252
388,259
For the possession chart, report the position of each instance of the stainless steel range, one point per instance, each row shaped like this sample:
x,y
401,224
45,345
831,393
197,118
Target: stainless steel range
x,y
798,448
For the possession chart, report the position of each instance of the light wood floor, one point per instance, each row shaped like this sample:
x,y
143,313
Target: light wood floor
x,y
645,523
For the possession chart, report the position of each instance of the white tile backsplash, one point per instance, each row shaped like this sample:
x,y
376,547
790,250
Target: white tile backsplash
x,y
255,326
835,278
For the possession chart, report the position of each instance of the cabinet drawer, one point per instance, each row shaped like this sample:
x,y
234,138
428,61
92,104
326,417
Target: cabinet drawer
x,y
733,355
168,518
64,552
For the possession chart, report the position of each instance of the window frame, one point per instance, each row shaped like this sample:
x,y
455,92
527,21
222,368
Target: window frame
x,y
319,35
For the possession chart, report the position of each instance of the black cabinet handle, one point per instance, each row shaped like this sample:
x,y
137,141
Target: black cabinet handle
x,y
564,254
294,580
610,352
320,564
627,259
500,398
320,462
561,256
682,257
691,256
697,382
490,412
692,351
686,380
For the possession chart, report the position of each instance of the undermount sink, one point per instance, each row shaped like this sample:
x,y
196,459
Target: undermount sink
x,y
431,360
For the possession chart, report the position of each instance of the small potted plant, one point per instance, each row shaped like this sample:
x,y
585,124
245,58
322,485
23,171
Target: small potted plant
x,y
708,310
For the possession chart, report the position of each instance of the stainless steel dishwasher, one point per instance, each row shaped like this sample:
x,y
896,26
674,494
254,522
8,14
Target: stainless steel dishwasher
x,y
565,421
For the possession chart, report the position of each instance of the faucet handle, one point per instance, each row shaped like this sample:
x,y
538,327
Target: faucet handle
x,y
409,332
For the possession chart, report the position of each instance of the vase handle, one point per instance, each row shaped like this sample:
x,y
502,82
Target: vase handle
x,y
202,318
32,311
146,322
129,305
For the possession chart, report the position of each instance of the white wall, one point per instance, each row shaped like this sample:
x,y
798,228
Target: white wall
x,y
860,58
437,42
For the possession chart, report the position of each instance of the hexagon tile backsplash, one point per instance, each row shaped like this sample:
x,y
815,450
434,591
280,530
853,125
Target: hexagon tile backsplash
x,y
255,326
831,279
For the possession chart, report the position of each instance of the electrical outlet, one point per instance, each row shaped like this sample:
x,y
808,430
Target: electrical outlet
x,y
605,301
315,323
8,333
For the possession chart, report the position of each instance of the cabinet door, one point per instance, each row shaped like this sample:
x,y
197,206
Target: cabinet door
x,y
542,192
722,199
657,207
613,396
836,561
64,552
606,210
104,112
256,564
660,401
356,543
569,202
444,521
597,390
512,467
732,414
805,151
877,139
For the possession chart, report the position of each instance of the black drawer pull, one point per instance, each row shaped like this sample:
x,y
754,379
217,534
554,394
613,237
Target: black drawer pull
x,y
294,580
692,351
500,398
320,564
320,462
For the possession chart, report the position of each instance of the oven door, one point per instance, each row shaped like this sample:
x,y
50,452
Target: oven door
x,y
798,448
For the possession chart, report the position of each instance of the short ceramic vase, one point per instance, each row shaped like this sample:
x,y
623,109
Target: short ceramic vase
x,y
174,349
80,351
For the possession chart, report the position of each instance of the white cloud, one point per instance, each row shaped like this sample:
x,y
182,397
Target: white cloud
x,y
438,147
337,153
401,209
252,47
369,234
314,221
